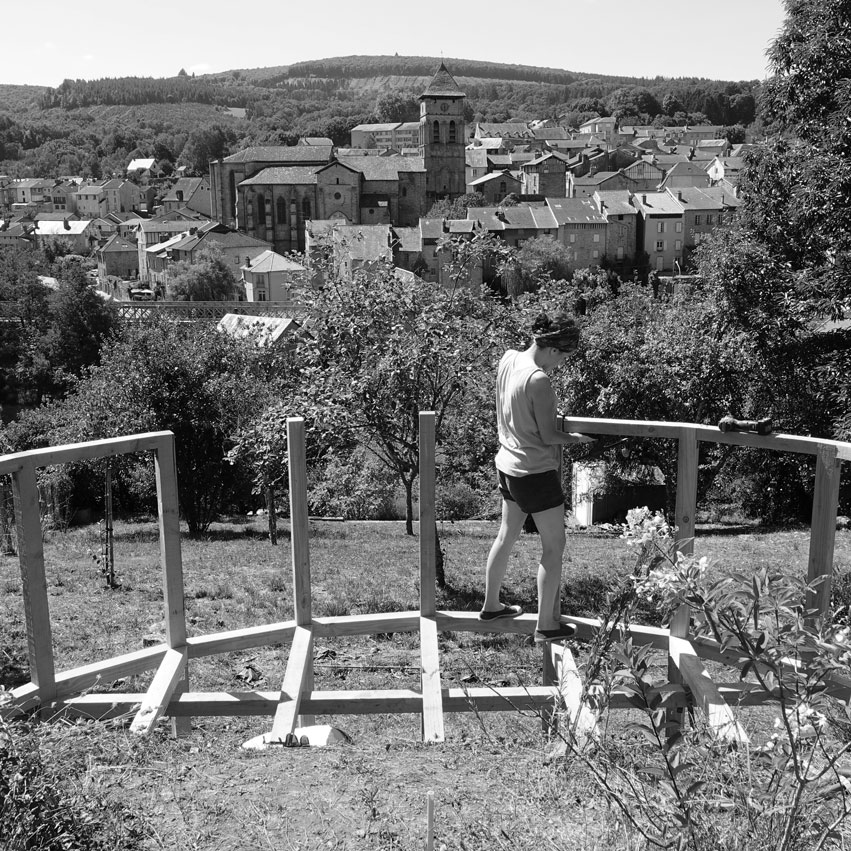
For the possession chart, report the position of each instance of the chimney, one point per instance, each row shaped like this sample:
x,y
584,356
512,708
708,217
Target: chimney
x,y
643,199
65,224
247,260
444,226
679,195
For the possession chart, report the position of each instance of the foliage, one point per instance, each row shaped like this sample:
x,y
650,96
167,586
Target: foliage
x,y
680,789
209,278
43,803
192,381
543,258
457,207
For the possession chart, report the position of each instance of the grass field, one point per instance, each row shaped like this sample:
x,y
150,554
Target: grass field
x,y
493,786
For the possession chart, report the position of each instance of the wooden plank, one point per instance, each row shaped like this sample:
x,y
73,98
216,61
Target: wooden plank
x,y
368,624
299,666
126,665
581,719
34,581
432,699
710,434
166,679
234,640
719,716
300,522
171,559
823,527
428,542
366,702
51,455
686,505
300,541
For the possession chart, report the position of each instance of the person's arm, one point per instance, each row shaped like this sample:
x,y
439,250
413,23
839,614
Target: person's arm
x,y
544,410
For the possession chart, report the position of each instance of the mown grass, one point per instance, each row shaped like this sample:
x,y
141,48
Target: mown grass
x,y
493,786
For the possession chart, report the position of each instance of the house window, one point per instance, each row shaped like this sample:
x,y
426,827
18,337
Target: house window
x,y
502,187
697,220
337,196
595,254
261,210
261,295
709,219
620,252
678,244
720,218
573,237
660,245
596,237
660,227
451,131
282,211
305,208
678,227
435,132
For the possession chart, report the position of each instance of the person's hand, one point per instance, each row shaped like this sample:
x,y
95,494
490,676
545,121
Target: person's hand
x,y
583,438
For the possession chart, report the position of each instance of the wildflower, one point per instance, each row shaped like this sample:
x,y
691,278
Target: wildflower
x,y
804,722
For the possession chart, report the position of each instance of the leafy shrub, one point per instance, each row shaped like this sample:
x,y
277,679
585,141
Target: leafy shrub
x,y
355,488
457,500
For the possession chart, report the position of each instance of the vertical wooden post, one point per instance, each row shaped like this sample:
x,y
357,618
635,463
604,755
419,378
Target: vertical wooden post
x,y
428,548
432,718
300,538
31,557
171,561
686,507
823,527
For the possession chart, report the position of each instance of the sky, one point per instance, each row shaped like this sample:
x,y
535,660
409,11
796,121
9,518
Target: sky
x,y
55,39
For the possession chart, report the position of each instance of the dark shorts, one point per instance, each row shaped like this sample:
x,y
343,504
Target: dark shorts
x,y
532,493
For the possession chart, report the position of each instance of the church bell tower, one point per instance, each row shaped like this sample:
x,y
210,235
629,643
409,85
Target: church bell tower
x,y
443,137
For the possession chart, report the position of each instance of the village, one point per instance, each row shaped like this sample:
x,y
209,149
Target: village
x,y
630,199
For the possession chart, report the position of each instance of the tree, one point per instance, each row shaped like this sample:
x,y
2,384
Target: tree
x,y
209,278
543,258
456,208
397,106
382,349
205,144
191,380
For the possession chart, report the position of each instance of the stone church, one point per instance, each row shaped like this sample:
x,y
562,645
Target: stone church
x,y
270,192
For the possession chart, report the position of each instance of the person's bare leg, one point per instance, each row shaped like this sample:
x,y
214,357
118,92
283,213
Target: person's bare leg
x,y
550,525
509,532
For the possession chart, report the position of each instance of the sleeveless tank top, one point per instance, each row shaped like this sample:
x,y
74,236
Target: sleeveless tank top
x,y
521,449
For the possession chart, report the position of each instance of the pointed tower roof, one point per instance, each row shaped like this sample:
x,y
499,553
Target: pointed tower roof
x,y
443,83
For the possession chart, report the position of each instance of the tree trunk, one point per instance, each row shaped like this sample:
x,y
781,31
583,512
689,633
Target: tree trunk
x,y
271,515
409,506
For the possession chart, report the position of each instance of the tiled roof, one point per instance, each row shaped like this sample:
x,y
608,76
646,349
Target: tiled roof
x,y
616,202
316,141
271,261
683,169
442,84
437,228
283,175
282,154
375,128
657,202
493,129
118,243
571,211
62,228
383,168
520,217
408,239
494,175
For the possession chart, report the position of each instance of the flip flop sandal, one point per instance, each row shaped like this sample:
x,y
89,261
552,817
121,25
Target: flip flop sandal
x,y
504,612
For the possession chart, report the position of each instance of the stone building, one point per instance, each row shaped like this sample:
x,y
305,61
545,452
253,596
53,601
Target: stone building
x,y
443,137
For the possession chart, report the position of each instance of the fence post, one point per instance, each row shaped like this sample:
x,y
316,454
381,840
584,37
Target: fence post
x,y
171,560
686,506
31,557
300,539
432,717
823,526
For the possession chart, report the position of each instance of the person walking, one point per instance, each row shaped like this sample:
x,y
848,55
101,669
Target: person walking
x,y
527,466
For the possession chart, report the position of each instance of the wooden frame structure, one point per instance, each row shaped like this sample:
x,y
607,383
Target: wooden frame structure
x,y
297,701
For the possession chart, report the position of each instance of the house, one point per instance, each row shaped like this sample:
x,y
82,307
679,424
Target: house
x,y
192,193
582,229
685,174
604,128
437,261
151,232
118,257
270,277
19,235
545,175
78,236
496,185
373,135
123,196
725,169
660,229
476,160
92,201
510,131
716,147
585,187
704,209
141,167
645,174
621,228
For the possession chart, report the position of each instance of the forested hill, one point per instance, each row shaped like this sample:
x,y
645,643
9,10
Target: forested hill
x,y
73,129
